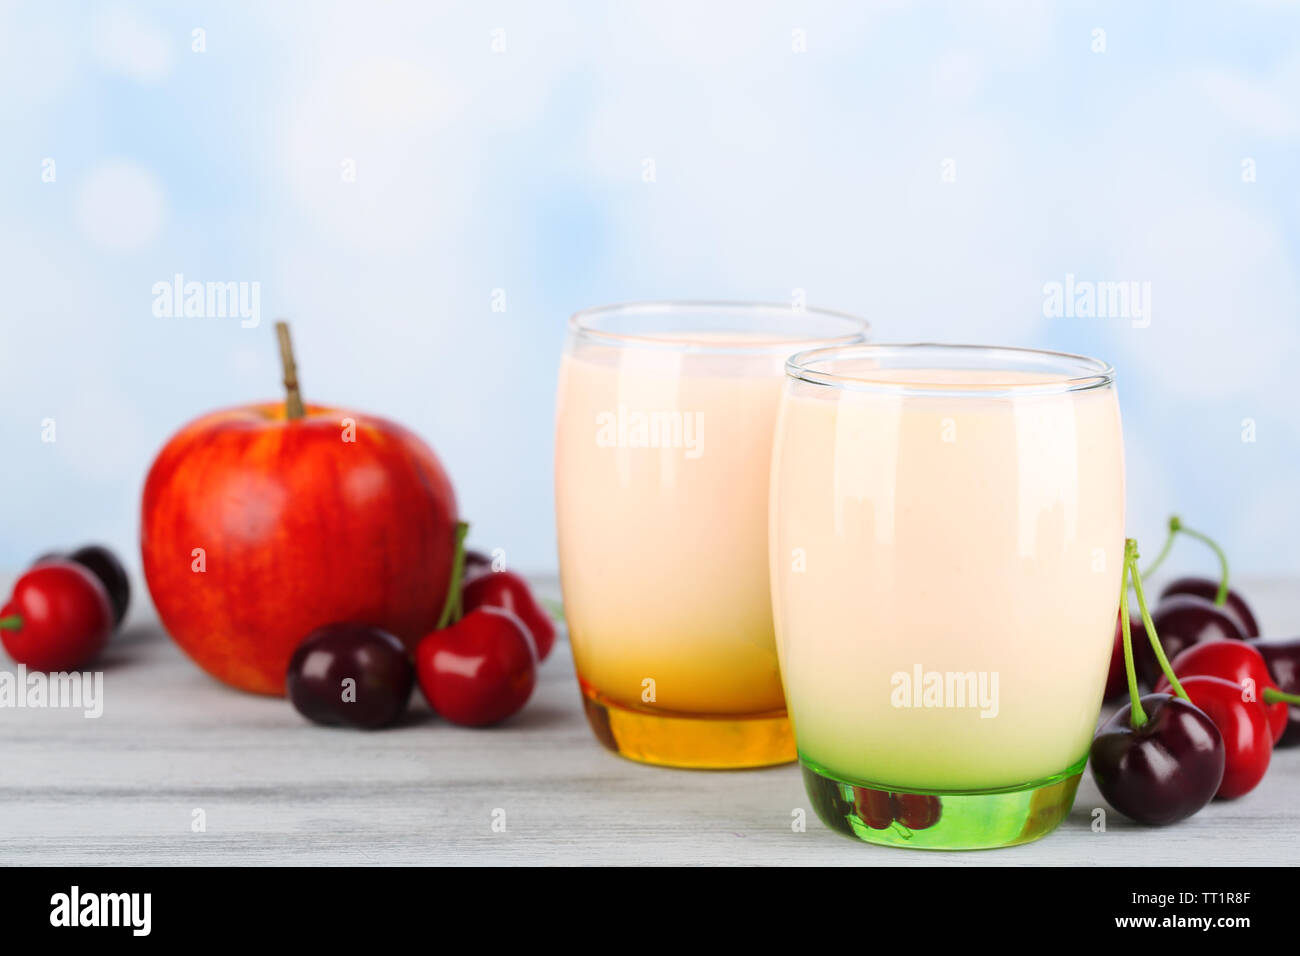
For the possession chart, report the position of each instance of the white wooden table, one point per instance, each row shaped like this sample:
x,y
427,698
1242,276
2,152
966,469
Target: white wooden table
x,y
273,789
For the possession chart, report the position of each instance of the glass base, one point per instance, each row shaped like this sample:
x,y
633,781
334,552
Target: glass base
x,y
963,820
700,742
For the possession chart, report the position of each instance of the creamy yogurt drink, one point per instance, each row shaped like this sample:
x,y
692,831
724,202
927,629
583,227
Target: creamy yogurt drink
x,y
947,543
664,433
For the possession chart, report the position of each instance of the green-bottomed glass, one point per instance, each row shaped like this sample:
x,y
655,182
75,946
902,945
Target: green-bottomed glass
x,y
967,821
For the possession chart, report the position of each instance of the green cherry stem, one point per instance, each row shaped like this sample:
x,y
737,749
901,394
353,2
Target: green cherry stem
x,y
1131,557
1138,716
14,622
451,607
1222,596
1272,696
553,608
1170,534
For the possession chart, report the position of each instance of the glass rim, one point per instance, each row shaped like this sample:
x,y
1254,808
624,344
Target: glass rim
x,y
1096,372
583,323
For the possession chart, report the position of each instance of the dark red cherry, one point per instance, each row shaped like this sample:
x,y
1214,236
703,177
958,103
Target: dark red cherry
x,y
1282,655
916,811
1234,606
828,802
1163,771
1116,679
352,675
873,807
1181,621
476,563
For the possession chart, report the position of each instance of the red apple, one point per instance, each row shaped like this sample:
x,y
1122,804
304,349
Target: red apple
x,y
299,527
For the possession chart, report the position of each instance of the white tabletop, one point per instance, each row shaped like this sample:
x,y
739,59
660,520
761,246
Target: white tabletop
x,y
273,789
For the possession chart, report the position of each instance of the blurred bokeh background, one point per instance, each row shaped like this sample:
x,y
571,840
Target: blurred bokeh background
x,y
394,174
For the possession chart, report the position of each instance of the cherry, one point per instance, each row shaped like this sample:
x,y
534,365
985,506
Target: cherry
x,y
351,675
1183,621
873,807
508,591
476,563
58,618
1247,736
1193,610
828,802
879,809
103,564
916,811
1234,604
1283,659
1116,679
1162,766
1163,770
1242,665
478,670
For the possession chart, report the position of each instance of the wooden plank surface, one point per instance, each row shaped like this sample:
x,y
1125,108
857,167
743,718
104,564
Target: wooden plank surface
x,y
123,789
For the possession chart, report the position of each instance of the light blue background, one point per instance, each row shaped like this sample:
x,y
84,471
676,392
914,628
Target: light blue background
x,y
522,171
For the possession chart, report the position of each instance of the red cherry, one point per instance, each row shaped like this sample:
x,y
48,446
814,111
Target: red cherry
x,y
1247,735
479,670
58,618
1236,662
873,807
105,565
916,811
508,591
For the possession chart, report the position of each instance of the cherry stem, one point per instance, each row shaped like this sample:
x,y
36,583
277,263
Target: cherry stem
x,y
1164,551
293,397
451,606
1131,557
553,608
1222,596
1138,716
902,829
14,622
1272,695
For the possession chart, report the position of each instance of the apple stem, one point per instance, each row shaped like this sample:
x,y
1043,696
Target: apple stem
x,y
451,607
14,622
1272,695
1131,558
1137,716
293,397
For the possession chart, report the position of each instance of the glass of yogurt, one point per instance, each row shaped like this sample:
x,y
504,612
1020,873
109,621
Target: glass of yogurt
x,y
664,426
947,539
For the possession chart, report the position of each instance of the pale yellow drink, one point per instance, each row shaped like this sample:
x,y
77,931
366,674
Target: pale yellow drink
x,y
951,522
663,456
